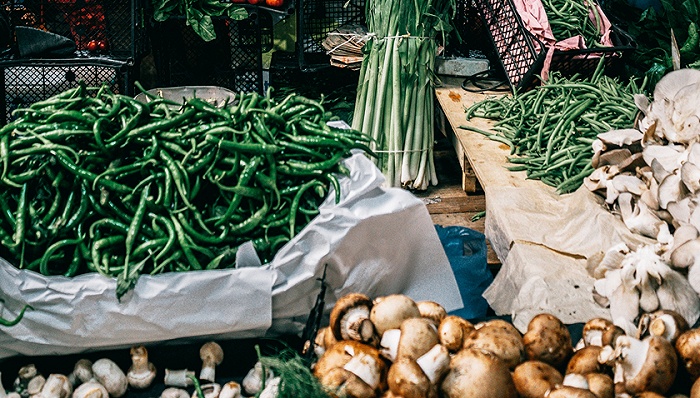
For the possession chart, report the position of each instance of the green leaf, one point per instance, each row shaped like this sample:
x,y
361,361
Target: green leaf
x,y
213,8
237,13
164,9
201,24
690,46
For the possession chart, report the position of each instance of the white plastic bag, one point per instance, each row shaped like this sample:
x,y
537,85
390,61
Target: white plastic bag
x,y
376,240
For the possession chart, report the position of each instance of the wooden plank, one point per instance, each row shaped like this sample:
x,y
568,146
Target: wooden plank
x,y
487,158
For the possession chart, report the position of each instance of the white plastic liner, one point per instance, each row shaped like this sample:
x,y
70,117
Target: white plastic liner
x,y
376,240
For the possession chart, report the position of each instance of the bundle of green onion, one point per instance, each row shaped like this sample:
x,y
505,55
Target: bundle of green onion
x,y
394,103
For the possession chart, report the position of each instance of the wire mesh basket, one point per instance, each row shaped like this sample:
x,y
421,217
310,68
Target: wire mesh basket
x,y
522,55
26,82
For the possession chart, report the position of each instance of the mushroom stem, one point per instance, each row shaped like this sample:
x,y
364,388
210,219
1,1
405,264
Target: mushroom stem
x,y
435,363
631,353
178,378
390,344
141,373
212,355
366,368
357,325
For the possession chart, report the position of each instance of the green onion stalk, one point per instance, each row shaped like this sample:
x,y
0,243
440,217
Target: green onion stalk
x,y
394,103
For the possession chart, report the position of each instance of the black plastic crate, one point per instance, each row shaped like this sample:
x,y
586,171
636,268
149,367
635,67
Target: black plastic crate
x,y
522,55
120,24
25,82
317,18
232,60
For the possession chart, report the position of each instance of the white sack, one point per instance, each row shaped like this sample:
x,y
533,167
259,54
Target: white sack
x,y
377,241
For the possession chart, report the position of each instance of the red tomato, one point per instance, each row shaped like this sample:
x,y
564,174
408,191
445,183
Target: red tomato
x,y
92,45
274,3
254,1
101,45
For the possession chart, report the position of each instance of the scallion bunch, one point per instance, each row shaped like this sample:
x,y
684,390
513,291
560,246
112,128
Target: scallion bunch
x,y
394,103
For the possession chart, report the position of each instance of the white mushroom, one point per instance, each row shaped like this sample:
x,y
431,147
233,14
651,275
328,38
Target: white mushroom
x,y
253,380
211,355
671,189
174,392
178,378
231,390
94,389
111,376
271,389
35,385
142,372
209,390
56,386
82,372
690,175
25,374
638,217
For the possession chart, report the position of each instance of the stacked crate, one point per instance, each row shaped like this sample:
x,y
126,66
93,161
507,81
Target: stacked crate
x,y
110,38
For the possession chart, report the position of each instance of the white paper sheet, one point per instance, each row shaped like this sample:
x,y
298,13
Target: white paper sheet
x,y
377,241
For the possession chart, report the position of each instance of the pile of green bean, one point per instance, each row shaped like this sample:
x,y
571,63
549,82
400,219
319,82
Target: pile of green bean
x,y
551,127
569,18
94,181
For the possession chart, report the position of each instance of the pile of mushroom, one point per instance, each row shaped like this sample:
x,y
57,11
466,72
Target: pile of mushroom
x,y
411,354
650,177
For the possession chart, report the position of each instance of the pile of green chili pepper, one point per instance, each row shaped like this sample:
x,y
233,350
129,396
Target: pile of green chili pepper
x,y
94,181
569,18
551,127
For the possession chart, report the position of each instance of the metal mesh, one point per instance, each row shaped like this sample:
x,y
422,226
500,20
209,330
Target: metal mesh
x,y
118,23
232,60
25,83
522,55
317,18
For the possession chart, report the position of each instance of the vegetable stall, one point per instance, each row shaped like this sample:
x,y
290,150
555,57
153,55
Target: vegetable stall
x,y
223,240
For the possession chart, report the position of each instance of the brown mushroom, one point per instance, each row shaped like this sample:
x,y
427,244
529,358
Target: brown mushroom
x,y
406,379
586,361
478,373
141,372
534,378
211,355
695,389
324,340
452,332
349,362
663,323
688,347
349,318
548,340
500,338
388,312
415,337
646,365
570,392
600,332
432,310
601,385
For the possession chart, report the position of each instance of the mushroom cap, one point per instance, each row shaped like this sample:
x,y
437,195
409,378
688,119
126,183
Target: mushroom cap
x,y
649,394
340,354
212,352
570,392
343,383
111,376
406,379
534,378
418,336
668,324
231,389
601,385
82,371
688,347
57,385
452,331
93,389
343,306
593,330
141,378
585,361
500,338
478,373
432,310
35,384
388,312
547,339
695,390
658,371
174,392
